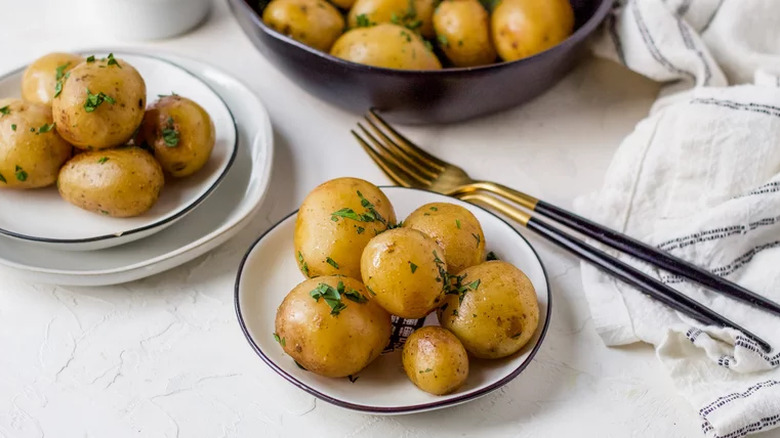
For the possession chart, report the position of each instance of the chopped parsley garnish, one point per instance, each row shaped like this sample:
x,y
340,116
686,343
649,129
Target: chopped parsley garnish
x,y
5,110
45,128
359,229
457,223
394,18
461,289
516,335
406,34
355,296
332,296
443,40
304,265
281,341
299,365
454,312
112,61
428,45
102,160
21,175
95,100
61,70
491,256
91,58
170,135
433,209
370,290
413,267
371,215
104,212
332,262
427,370
352,378
476,236
13,127
60,82
2,179
363,21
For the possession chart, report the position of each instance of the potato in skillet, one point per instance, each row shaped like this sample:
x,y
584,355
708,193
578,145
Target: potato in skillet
x,y
315,23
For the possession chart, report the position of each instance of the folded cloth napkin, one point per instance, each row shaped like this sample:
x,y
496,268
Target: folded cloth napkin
x,y
700,178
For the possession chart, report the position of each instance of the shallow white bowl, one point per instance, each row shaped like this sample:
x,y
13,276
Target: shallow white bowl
x,y
42,217
269,271
220,217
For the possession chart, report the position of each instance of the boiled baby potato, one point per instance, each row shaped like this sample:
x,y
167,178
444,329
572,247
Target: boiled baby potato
x,y
31,152
334,224
494,311
455,230
315,23
385,45
42,79
180,132
435,360
463,32
101,104
404,270
416,15
331,327
120,182
523,28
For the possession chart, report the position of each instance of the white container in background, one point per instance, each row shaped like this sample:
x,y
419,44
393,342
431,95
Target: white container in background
x,y
147,19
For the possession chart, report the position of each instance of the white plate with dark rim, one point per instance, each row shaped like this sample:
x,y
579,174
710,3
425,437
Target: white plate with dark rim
x,y
269,271
220,216
42,217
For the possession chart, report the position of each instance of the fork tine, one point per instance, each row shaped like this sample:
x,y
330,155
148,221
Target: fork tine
x,y
394,157
389,168
410,147
401,153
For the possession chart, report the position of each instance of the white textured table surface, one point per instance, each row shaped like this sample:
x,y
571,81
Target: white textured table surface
x,y
165,357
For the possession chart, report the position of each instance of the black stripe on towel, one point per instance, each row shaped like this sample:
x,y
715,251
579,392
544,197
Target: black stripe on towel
x,y
751,107
651,47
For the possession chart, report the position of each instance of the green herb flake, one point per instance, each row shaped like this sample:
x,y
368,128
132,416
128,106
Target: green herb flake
x,y
457,223
454,312
104,212
13,127
355,296
394,18
170,135
45,128
516,335
281,341
352,378
91,58
406,35
477,238
491,256
304,265
299,365
112,61
370,290
443,40
2,179
102,160
363,21
427,370
331,296
433,209
332,262
61,70
360,230
413,267
5,111
95,100
428,45
21,175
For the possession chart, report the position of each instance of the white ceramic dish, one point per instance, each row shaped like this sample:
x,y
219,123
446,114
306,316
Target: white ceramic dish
x,y
269,271
216,220
42,217
143,19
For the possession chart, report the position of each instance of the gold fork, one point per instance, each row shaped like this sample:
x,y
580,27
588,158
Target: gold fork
x,y
410,166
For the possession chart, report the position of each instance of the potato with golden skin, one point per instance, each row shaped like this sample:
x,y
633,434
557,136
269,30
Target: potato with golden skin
x,y
385,45
39,81
416,15
435,360
455,229
101,104
463,32
328,342
181,134
31,151
496,313
120,182
315,23
334,224
404,270
523,28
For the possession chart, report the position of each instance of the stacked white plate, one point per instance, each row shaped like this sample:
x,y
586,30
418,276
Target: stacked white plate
x,y
46,239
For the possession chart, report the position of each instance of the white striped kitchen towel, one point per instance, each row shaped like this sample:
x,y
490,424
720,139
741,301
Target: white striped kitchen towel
x,y
700,177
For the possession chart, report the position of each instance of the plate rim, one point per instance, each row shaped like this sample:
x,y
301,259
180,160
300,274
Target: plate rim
x,y
205,70
401,409
165,221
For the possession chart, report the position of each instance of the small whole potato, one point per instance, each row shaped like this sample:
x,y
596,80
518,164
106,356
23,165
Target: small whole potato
x,y
331,327
315,23
101,104
120,182
463,32
385,45
496,311
334,224
455,230
404,270
31,151
416,15
180,132
435,360
41,78
523,28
